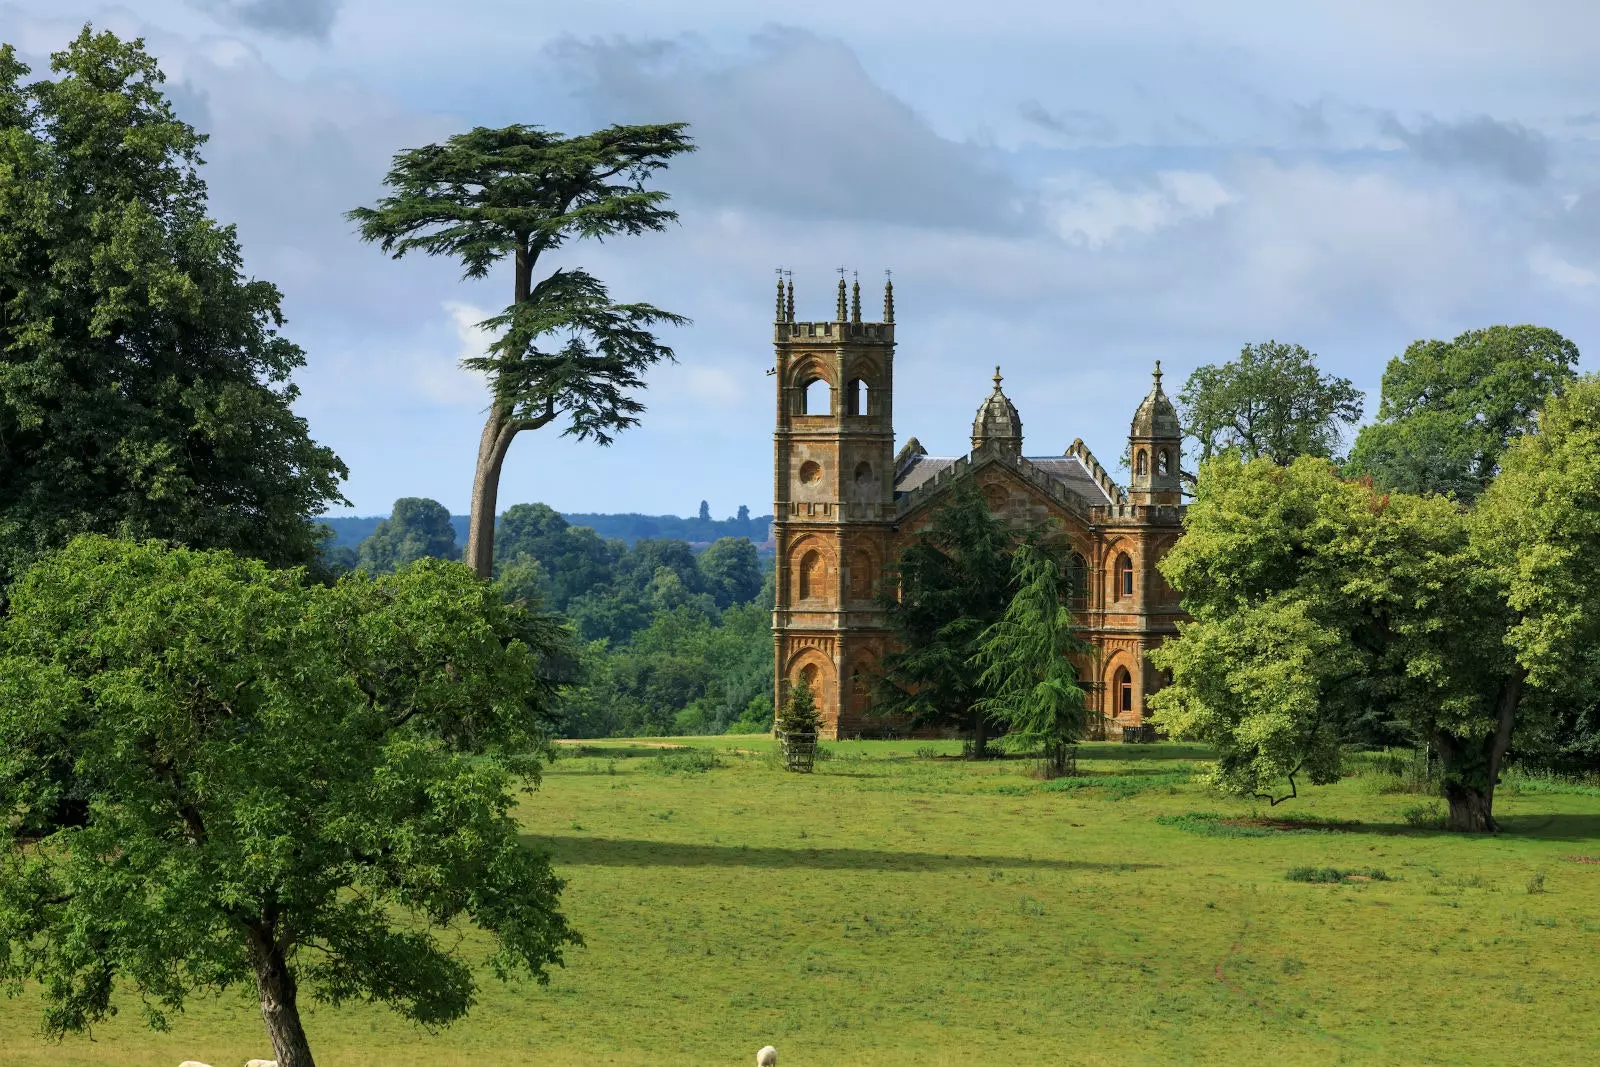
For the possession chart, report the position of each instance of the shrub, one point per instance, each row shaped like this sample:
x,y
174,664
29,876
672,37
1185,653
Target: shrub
x,y
1334,876
1425,816
685,761
1536,882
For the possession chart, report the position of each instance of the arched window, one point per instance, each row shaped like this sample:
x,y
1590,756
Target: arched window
x,y
1141,465
1122,687
810,575
1124,576
808,675
856,398
863,473
816,400
1163,463
1078,579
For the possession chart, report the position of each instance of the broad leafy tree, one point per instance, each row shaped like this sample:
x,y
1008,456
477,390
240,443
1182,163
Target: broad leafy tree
x,y
218,774
1449,409
955,580
565,350
417,528
1031,683
731,570
144,385
574,559
1318,603
1272,402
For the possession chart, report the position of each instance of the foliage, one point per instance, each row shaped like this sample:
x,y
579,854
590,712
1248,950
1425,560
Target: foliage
x,y
417,528
144,386
573,559
217,772
1336,875
563,347
955,580
1449,409
731,571
1319,606
799,713
1272,402
1030,684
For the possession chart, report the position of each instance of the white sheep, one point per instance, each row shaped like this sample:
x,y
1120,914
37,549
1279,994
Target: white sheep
x,y
193,1063
260,1063
767,1057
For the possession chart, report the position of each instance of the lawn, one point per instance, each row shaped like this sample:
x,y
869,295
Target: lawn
x,y
901,907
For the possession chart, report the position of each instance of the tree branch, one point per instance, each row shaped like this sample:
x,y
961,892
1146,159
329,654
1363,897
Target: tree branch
x,y
1293,793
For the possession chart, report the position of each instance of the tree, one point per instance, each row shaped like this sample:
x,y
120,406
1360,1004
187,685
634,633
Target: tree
x,y
1319,602
705,511
564,348
144,385
1271,402
731,571
799,714
1450,409
306,787
417,528
574,558
1032,686
955,580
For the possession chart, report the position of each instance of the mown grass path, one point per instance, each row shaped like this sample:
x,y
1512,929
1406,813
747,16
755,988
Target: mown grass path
x,y
895,909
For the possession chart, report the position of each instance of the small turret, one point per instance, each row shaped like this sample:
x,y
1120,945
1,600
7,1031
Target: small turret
x,y
997,422
1155,441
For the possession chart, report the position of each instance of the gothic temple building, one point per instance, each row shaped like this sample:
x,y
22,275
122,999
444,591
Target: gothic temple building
x,y
845,502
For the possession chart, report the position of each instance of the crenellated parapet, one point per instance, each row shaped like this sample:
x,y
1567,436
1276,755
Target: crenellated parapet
x,y
1081,452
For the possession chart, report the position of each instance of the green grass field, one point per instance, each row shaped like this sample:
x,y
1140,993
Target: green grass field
x,y
896,908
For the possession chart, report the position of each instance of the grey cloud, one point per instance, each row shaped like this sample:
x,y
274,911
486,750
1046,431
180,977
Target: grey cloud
x,y
281,18
798,128
1072,123
1508,149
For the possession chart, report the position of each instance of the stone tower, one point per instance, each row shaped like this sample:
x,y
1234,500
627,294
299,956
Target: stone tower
x,y
1153,450
833,502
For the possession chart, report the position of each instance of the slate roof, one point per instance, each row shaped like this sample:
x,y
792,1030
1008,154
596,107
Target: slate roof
x,y
1070,471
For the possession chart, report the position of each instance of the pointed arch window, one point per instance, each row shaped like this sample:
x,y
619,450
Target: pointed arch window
x,y
1122,690
810,575
1163,463
1141,465
1078,580
816,398
857,398
1124,576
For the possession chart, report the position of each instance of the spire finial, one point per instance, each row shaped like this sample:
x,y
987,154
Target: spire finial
x,y
840,311
780,295
789,300
855,297
888,295
997,378
1158,374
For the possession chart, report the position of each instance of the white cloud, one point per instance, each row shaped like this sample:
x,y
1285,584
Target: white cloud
x,y
1093,212
1549,265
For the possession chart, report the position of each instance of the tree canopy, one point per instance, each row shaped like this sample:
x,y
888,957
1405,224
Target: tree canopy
x,y
1450,409
218,774
1321,604
564,349
955,580
1272,402
417,528
144,384
1031,684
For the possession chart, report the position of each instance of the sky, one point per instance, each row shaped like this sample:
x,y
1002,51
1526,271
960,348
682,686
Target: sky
x,y
1071,190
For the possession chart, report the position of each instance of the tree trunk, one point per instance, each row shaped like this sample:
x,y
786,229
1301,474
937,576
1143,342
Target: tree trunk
x,y
498,431
980,737
275,986
1471,808
1472,769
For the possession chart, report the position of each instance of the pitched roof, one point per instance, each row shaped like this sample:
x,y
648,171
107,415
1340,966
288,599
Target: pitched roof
x,y
916,468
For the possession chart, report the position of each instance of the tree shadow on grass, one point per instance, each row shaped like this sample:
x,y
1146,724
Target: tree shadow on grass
x,y
623,852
